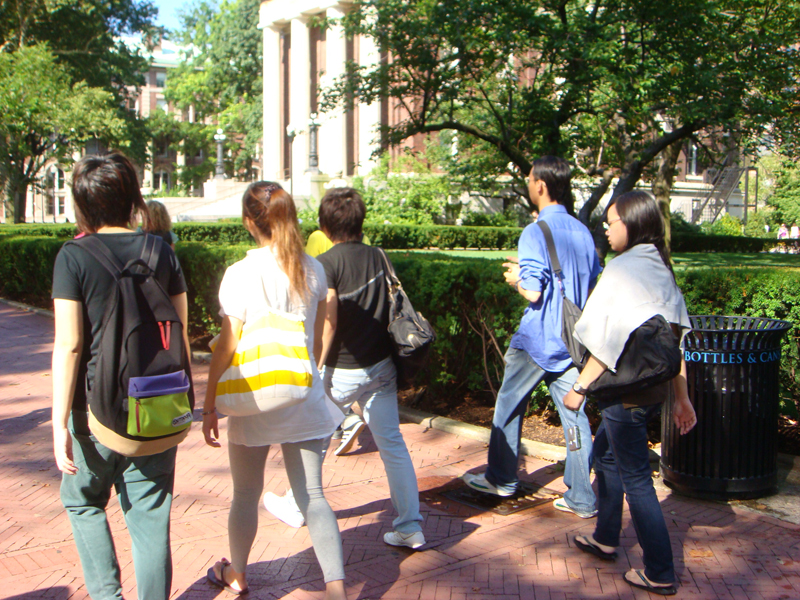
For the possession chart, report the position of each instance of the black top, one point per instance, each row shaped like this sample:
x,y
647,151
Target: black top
x,y
356,272
78,276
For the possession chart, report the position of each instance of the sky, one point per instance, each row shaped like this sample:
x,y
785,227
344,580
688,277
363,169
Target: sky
x,y
168,12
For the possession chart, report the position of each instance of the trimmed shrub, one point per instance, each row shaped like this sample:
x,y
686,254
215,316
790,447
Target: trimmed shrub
x,y
473,310
26,268
57,230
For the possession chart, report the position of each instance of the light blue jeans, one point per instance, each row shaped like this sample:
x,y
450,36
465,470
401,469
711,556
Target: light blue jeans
x,y
375,390
520,378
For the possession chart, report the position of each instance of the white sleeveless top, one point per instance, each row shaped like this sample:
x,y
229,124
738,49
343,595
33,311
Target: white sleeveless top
x,y
241,292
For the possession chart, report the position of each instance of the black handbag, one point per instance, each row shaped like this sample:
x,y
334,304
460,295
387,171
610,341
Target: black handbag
x,y
651,356
411,334
570,313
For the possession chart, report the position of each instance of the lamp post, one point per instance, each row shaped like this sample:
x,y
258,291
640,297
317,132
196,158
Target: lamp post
x,y
313,156
219,137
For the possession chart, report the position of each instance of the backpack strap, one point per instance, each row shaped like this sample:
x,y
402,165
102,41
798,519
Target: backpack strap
x,y
391,276
551,250
151,251
102,254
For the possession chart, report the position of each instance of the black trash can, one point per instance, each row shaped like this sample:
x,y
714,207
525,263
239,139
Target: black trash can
x,y
732,365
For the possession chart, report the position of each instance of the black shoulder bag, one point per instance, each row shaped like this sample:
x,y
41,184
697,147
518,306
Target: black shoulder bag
x,y
411,334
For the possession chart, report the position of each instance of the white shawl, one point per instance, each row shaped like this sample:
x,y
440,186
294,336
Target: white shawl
x,y
634,287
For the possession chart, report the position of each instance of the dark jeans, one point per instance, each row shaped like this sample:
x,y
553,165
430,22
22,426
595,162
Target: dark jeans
x,y
622,466
144,487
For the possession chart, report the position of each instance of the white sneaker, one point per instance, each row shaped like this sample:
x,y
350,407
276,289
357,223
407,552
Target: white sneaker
x,y
349,438
284,508
479,483
410,540
561,504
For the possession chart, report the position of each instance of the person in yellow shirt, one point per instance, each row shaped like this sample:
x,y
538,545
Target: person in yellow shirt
x,y
319,243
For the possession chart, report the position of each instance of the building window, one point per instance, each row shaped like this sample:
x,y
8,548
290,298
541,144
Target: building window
x,y
161,79
161,180
162,104
62,205
162,148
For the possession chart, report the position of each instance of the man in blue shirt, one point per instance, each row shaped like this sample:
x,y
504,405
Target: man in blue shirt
x,y
537,352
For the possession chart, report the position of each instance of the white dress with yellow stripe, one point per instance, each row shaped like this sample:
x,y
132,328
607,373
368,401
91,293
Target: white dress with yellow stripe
x,y
254,287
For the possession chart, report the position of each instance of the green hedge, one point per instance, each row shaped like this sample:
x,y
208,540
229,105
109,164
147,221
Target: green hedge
x,y
473,311
399,237
698,242
408,237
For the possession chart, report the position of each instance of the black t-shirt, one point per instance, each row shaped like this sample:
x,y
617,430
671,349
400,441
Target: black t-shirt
x,y
356,272
78,276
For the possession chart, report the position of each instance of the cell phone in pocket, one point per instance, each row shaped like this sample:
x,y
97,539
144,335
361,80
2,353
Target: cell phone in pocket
x,y
573,438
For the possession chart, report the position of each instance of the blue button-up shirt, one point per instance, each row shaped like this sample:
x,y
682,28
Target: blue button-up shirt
x,y
539,332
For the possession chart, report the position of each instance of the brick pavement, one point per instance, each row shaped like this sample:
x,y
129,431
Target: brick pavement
x,y
722,551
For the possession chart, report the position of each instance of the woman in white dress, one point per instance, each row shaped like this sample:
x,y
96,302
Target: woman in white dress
x,y
281,276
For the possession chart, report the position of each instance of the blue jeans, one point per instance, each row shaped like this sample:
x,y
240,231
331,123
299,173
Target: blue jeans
x,y
375,390
622,464
144,487
520,378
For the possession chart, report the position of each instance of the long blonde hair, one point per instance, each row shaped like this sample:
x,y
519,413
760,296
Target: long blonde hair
x,y
272,211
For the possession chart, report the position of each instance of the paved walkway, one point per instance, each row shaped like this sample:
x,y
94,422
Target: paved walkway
x,y
722,551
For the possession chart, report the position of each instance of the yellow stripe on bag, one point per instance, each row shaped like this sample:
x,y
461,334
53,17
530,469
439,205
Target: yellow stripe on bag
x,y
257,382
274,321
269,349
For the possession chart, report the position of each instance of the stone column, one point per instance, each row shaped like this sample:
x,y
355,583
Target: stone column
x,y
332,151
369,115
273,132
300,103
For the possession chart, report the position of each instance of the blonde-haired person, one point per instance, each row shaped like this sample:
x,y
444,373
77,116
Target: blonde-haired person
x,y
279,275
156,221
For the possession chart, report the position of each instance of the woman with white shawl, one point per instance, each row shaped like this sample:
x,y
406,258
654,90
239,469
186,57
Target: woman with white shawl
x,y
636,286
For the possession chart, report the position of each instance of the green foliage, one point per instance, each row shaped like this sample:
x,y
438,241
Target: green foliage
x,y
758,221
700,242
724,225
414,196
38,101
222,76
594,82
515,216
678,224
189,139
26,268
786,198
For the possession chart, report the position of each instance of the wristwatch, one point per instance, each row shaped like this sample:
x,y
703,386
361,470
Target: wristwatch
x,y
579,389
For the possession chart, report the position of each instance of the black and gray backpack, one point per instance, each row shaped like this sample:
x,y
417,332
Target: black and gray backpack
x,y
141,399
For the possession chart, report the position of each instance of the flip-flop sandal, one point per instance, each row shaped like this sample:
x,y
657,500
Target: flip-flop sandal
x,y
220,581
585,544
643,584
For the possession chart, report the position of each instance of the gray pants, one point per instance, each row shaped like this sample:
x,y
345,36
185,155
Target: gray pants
x,y
303,461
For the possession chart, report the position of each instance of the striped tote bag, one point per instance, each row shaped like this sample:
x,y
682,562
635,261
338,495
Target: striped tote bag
x,y
271,368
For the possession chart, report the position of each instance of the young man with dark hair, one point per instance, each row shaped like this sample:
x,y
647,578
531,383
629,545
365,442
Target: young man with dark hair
x,y
537,352
357,352
107,196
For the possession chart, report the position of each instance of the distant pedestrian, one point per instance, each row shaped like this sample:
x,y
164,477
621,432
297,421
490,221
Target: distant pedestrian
x,y
795,232
157,222
783,232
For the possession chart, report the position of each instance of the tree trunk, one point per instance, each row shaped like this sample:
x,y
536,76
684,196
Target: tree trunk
x,y
662,184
